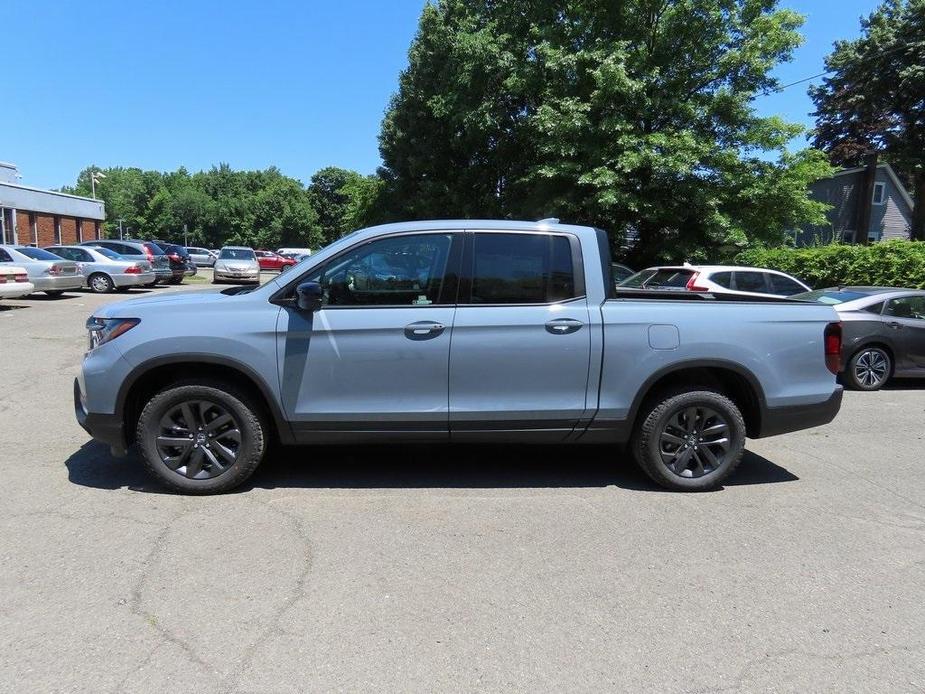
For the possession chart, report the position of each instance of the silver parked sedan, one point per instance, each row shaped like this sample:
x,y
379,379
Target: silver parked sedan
x,y
105,270
236,264
201,257
49,273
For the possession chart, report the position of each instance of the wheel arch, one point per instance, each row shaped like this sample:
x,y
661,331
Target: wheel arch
x,y
152,376
733,380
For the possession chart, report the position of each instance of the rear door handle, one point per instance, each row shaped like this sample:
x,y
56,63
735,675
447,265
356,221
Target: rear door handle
x,y
564,326
424,330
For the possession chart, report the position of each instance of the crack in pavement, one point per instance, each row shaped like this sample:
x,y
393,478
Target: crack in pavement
x,y
273,629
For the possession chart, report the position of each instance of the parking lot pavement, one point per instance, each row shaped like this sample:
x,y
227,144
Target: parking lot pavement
x,y
431,569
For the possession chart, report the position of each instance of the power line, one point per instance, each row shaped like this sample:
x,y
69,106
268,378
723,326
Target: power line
x,y
791,84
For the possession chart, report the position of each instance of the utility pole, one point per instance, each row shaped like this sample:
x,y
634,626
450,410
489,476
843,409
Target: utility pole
x,y
185,236
95,177
120,227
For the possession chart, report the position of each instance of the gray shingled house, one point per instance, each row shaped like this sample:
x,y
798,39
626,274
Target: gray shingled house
x,y
888,216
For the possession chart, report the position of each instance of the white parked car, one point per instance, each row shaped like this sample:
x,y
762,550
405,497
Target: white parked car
x,y
718,279
236,264
14,282
290,252
49,273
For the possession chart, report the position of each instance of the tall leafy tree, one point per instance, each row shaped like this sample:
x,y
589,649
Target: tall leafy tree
x,y
874,99
635,116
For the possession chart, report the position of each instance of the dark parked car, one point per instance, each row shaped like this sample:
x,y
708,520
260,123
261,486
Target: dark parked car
x,y
181,265
883,332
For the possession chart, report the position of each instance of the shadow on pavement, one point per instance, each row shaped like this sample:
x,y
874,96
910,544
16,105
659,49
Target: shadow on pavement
x,y
6,306
905,384
417,467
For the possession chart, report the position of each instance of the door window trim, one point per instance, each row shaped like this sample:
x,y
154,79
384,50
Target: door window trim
x,y
453,261
465,279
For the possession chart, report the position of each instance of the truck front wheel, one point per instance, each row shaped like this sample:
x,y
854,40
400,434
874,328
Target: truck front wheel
x,y
689,441
201,438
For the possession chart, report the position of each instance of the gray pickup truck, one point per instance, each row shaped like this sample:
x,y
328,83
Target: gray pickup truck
x,y
453,331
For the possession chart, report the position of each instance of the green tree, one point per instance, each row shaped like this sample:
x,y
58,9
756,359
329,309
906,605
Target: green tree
x,y
874,98
635,116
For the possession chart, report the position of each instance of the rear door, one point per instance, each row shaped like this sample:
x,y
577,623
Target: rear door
x,y
521,343
752,282
374,360
905,318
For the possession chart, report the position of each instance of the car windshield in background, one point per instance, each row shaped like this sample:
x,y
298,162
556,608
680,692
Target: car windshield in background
x,y
237,254
829,296
671,278
38,254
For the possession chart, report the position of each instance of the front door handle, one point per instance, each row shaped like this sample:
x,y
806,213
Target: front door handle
x,y
424,330
895,325
564,326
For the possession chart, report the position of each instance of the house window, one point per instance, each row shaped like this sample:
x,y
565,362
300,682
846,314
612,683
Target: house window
x,y
57,231
80,230
33,225
879,193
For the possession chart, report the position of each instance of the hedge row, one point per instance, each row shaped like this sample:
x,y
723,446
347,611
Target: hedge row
x,y
888,264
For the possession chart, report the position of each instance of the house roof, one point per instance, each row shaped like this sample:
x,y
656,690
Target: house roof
x,y
889,172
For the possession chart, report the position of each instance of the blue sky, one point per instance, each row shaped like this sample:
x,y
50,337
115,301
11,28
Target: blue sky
x,y
299,84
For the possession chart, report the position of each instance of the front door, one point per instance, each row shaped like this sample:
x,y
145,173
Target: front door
x,y
521,341
905,317
373,361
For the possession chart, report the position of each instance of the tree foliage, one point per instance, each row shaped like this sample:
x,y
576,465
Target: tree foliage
x,y
344,200
874,98
635,116
264,209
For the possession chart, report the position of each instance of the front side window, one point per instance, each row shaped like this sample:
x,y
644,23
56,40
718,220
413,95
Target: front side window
x,y
396,271
521,269
906,307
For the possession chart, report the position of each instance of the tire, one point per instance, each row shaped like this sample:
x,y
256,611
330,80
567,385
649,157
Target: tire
x,y
100,283
151,285
869,368
198,465
668,445
175,280
54,293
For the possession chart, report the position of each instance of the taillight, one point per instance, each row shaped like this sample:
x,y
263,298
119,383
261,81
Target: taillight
x,y
54,270
692,285
21,277
133,270
174,257
3,279
833,347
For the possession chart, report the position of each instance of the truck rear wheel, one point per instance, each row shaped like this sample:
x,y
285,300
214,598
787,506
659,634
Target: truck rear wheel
x,y
201,438
689,441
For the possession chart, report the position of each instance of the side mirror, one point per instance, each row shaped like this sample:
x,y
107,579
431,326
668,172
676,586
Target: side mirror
x,y
309,296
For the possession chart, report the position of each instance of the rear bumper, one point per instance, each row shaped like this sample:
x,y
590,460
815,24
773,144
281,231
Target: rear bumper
x,y
57,284
107,428
783,420
15,290
127,280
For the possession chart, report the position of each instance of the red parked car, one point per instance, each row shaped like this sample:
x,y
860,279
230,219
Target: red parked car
x,y
269,260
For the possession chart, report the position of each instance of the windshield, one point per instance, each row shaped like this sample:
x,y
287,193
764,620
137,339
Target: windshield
x,y
38,254
237,254
829,296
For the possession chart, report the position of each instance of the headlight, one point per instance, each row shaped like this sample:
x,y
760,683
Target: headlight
x,y
103,330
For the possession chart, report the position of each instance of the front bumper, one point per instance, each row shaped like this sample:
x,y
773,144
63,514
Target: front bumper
x,y
783,420
107,428
235,277
59,283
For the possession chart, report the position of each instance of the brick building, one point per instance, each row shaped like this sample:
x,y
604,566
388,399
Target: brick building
x,y
36,217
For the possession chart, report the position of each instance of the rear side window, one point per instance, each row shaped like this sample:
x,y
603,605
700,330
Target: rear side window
x,y
521,269
750,282
783,286
723,279
876,308
125,250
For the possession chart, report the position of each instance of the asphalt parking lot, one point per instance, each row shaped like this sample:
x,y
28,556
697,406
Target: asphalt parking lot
x,y
468,569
